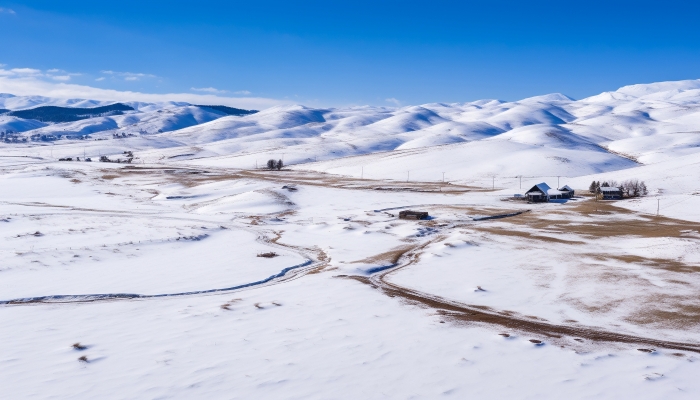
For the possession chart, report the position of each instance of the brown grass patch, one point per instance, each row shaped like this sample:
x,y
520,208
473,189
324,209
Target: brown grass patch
x,y
389,257
526,235
606,222
659,263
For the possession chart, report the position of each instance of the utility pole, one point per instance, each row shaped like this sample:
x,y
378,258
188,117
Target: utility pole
x,y
557,183
521,181
362,174
658,205
408,176
493,182
443,177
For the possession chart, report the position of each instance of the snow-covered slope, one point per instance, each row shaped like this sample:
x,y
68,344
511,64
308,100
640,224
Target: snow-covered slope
x,y
12,102
130,123
15,124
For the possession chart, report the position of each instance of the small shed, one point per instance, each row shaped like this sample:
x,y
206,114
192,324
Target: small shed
x,y
611,193
567,191
538,193
408,214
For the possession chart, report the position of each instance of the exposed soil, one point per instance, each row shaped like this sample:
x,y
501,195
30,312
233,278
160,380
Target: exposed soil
x,y
192,177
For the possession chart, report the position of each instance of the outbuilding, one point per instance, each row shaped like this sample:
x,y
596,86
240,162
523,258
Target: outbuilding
x,y
611,193
567,191
408,214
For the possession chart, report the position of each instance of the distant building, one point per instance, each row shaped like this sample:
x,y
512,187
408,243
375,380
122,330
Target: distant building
x,y
538,193
611,193
408,214
567,191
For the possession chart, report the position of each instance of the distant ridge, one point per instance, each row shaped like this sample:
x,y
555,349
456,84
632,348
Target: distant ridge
x,y
229,110
69,114
3,111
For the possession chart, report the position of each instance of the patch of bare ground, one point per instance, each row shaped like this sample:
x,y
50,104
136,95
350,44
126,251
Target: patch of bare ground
x,y
189,177
390,257
526,235
657,263
674,312
604,224
623,289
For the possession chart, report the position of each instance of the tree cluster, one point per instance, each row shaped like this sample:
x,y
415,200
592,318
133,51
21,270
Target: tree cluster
x,y
272,164
629,188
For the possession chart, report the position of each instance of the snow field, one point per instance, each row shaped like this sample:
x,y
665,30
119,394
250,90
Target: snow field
x,y
328,338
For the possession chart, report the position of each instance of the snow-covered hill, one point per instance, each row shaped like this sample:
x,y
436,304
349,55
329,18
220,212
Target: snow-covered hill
x,y
550,134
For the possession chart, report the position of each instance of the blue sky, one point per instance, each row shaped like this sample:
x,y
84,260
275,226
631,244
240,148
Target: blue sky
x,y
328,53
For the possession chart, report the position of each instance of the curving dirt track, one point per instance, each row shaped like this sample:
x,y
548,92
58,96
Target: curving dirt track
x,y
465,313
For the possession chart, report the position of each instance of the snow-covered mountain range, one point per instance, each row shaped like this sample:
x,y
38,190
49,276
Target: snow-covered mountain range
x,y
543,135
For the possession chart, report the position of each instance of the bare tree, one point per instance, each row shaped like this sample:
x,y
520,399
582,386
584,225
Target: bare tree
x,y
634,188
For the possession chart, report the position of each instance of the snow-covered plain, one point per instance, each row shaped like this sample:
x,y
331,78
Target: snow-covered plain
x,y
575,299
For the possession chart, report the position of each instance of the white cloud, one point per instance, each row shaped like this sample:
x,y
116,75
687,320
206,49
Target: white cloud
x,y
243,92
7,11
53,70
26,71
100,79
62,78
208,90
32,83
393,101
129,76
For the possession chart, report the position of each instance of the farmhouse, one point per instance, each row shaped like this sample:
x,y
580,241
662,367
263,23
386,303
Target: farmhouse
x,y
538,193
611,193
408,214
